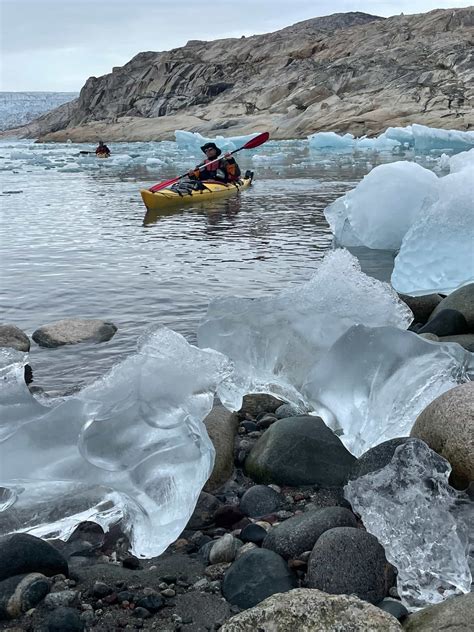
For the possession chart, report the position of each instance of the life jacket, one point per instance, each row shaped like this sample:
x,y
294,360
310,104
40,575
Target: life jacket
x,y
226,170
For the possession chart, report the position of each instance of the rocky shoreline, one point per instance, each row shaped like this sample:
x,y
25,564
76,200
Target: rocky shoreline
x,y
273,543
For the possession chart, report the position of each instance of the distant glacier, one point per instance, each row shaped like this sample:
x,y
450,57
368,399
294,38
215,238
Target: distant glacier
x,y
20,108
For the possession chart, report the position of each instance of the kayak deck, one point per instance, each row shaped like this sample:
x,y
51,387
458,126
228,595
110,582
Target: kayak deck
x,y
154,201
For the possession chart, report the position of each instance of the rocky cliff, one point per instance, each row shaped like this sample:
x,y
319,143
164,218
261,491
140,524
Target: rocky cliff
x,y
343,72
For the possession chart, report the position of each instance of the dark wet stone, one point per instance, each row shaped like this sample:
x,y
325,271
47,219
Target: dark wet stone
x,y
22,553
260,500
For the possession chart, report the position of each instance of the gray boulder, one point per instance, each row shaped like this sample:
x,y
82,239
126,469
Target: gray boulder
x,y
221,426
350,561
447,322
260,500
421,306
376,458
64,620
72,331
299,450
12,336
224,549
455,614
258,403
447,426
255,576
300,533
309,610
20,593
461,300
22,553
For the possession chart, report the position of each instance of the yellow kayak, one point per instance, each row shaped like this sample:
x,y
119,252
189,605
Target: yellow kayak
x,y
167,198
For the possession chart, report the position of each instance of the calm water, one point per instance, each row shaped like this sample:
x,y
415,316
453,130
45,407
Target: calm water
x,y
74,242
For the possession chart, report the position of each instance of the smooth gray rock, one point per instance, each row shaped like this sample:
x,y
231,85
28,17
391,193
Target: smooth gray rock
x,y
350,561
393,607
72,331
221,426
224,549
309,610
63,598
22,553
376,458
447,322
286,410
300,533
260,500
421,306
299,450
12,336
461,300
65,620
20,593
447,426
453,615
258,403
255,576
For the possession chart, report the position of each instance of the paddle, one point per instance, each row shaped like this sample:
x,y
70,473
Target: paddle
x,y
251,144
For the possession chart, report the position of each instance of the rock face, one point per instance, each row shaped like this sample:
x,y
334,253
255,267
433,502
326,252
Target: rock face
x,y
447,426
255,576
299,451
455,615
221,426
72,331
348,561
344,72
12,336
306,610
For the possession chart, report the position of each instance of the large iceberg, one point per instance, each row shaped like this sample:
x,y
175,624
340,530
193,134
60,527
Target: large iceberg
x,y
348,142
372,384
422,523
132,446
275,341
437,252
383,206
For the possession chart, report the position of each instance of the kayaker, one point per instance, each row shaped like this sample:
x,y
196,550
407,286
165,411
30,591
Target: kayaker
x,y
102,150
225,170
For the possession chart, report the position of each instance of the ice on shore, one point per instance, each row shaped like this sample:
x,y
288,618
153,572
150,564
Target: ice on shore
x,y
373,382
131,446
422,523
274,341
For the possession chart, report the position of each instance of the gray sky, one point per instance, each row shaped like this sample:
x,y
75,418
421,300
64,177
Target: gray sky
x,y
57,44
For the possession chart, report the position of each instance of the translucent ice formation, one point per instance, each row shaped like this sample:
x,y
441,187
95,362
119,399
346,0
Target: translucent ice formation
x,y
193,141
436,254
131,446
380,210
347,142
374,382
422,523
275,341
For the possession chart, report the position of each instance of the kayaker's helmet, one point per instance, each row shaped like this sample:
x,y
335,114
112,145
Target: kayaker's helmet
x,y
207,146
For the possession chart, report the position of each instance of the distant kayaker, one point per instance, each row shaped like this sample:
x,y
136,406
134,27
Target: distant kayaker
x,y
226,169
102,150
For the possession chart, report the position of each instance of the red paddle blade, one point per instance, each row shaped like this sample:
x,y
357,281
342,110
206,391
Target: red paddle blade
x,y
163,185
257,141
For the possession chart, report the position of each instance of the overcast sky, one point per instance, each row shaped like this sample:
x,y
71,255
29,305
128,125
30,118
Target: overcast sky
x,y
57,44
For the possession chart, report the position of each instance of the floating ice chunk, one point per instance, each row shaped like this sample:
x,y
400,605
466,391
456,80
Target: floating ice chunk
x,y
153,162
384,205
336,216
331,140
379,143
422,523
429,138
131,446
278,156
436,254
464,160
274,341
374,382
193,141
